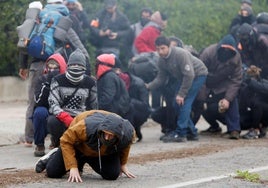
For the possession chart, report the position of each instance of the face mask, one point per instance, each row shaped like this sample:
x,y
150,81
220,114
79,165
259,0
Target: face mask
x,y
225,54
51,74
75,74
144,21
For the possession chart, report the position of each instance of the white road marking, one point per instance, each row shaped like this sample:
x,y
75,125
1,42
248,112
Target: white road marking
x,y
212,178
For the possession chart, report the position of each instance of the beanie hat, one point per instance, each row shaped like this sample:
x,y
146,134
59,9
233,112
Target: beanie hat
x,y
76,67
247,8
244,30
228,41
104,63
262,18
110,3
36,4
157,18
54,1
226,48
77,58
107,58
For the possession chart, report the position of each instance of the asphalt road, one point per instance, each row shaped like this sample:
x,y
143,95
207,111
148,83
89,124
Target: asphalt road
x,y
213,161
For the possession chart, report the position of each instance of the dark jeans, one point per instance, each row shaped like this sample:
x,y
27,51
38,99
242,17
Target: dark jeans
x,y
40,125
56,128
110,165
231,117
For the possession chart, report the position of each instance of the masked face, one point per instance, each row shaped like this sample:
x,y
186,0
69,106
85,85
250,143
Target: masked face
x,y
144,21
145,18
224,54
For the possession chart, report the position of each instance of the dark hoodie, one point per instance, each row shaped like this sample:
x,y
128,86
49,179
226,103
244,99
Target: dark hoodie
x,y
224,77
83,132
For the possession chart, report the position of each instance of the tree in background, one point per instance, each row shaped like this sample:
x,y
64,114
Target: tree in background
x,y
196,22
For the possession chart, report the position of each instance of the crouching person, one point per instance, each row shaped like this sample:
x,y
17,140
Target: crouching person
x,y
70,94
100,138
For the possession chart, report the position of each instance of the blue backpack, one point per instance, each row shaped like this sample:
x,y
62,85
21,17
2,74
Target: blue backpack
x,y
42,43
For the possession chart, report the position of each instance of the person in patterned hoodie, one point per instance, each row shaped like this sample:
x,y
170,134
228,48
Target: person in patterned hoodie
x,y
70,94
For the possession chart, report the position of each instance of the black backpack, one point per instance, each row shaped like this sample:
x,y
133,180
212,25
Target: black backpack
x,y
145,66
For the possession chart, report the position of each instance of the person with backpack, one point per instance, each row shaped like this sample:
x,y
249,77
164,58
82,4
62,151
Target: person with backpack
x,y
139,99
112,92
55,65
70,94
38,58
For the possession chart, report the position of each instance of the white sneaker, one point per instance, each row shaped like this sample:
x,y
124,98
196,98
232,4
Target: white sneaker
x,y
42,162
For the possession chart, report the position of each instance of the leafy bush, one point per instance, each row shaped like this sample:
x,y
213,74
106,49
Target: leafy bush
x,y
196,22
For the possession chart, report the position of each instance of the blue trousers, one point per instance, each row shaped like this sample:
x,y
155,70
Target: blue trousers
x,y
185,124
40,125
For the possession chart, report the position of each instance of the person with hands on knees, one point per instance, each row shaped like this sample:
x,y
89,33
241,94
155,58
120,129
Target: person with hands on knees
x,y
70,94
190,74
99,138
55,65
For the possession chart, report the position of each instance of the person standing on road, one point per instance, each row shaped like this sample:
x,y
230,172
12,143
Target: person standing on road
x,y
100,138
190,73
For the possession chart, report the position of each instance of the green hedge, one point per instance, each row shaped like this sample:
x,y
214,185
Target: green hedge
x,y
196,22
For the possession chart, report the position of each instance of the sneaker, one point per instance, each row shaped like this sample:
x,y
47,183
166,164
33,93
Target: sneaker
x,y
42,162
174,137
212,130
39,151
192,137
251,134
234,135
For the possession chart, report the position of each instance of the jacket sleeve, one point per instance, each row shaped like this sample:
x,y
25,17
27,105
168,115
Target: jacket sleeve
x,y
92,100
259,86
54,98
73,135
235,83
107,94
41,92
144,40
187,70
75,41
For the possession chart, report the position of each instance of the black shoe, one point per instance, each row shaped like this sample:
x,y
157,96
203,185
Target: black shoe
x,y
251,134
192,137
42,162
263,131
212,130
174,137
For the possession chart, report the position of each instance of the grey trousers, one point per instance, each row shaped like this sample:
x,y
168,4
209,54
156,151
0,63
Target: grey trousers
x,y
35,71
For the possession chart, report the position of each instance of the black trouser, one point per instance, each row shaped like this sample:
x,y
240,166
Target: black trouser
x,y
110,165
56,128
